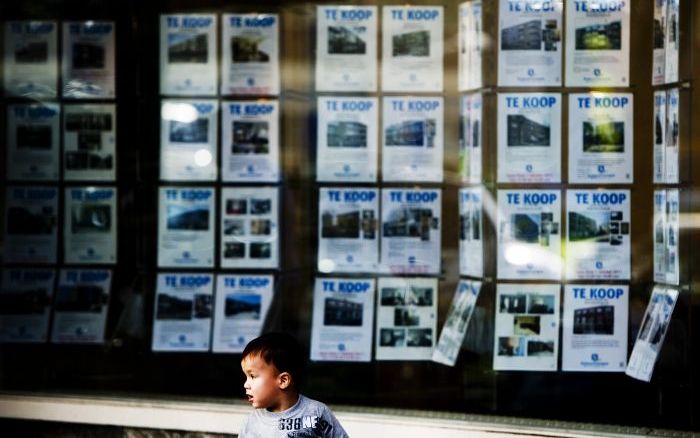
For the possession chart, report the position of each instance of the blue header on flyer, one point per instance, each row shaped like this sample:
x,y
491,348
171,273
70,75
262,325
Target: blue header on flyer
x,y
415,14
469,196
192,22
34,194
91,195
601,198
188,194
531,101
247,282
20,275
188,281
532,198
531,6
413,196
252,21
352,195
203,108
660,99
603,102
673,99
598,293
90,29
349,105
86,276
598,5
35,112
415,105
348,14
250,109
31,28
346,286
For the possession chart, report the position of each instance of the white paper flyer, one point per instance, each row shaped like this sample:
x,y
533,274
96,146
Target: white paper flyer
x,y
470,44
658,72
413,139
80,306
471,242
600,138
652,333
250,54
183,312
188,55
89,66
406,318
666,237
598,43
595,328
598,239
242,303
470,127
188,140
530,47
411,224
455,328
31,225
660,226
671,155
529,235
412,46
660,136
25,305
186,227
342,319
346,142
527,327
529,137
90,225
346,48
250,227
250,141
89,142
33,138
348,239
31,60
673,44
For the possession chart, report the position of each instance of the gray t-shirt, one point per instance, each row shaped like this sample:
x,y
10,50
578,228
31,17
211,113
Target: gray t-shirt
x,y
307,418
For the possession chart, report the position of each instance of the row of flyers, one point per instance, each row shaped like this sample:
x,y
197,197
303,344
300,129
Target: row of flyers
x,y
79,305
89,142
31,61
32,223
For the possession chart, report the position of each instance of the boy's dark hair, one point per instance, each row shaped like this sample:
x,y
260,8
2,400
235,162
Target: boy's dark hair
x,y
281,350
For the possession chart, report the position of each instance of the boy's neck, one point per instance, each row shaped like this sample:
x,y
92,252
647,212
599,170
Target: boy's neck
x,y
286,401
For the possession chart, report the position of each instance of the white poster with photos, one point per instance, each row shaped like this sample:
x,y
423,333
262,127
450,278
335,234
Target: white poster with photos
x,y
26,295
250,143
470,139
346,48
183,312
80,306
530,38
529,137
673,43
89,142
89,66
470,46
666,236
186,227
348,239
671,154
90,225
598,43
406,318
33,136
658,75
471,241
411,224
527,327
31,225
31,60
346,141
188,55
342,319
652,333
250,54
595,328
241,306
660,136
598,238
529,234
250,227
413,139
412,48
188,140
601,138
455,328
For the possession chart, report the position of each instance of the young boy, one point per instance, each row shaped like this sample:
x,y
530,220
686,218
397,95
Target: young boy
x,y
273,366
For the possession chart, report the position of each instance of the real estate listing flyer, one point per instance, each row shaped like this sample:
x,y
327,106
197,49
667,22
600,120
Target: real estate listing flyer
x,y
529,234
659,138
346,140
31,225
346,48
348,235
666,236
673,43
31,60
90,225
342,319
89,66
658,72
90,142
455,328
471,229
470,45
188,55
183,311
33,139
527,327
241,306
26,295
671,155
186,227
470,138
80,306
406,318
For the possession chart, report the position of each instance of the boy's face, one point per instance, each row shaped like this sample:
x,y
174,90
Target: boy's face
x,y
263,384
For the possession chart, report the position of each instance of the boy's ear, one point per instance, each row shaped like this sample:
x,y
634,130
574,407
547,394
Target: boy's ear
x,y
284,380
